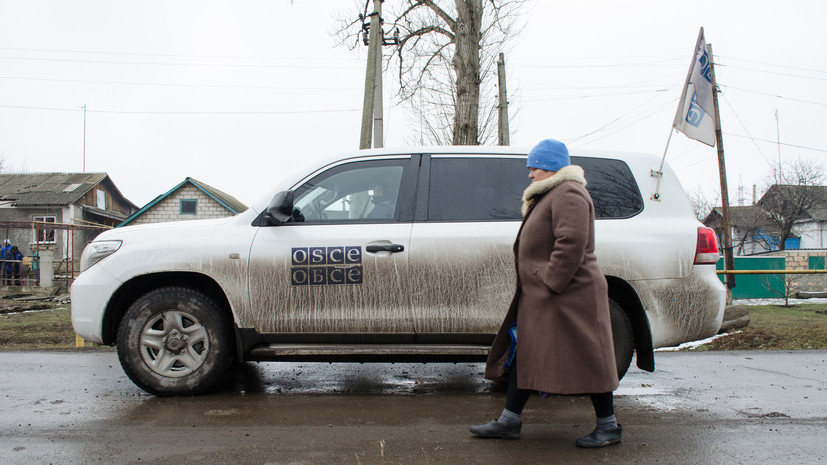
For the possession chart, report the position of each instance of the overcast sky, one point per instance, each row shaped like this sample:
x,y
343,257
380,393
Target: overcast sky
x,y
237,94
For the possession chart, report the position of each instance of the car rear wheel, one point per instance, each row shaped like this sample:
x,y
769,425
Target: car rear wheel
x,y
624,338
175,341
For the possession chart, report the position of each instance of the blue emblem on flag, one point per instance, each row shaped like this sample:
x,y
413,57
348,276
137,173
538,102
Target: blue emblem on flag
x,y
695,114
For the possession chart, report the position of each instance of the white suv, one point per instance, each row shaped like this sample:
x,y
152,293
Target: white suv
x,y
385,255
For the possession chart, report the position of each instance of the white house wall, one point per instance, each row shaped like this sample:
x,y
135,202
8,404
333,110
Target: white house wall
x,y
812,234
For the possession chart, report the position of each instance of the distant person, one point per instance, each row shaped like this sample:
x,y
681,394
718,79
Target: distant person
x,y
13,267
557,334
6,247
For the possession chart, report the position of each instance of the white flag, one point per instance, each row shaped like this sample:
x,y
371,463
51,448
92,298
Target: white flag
x,y
695,115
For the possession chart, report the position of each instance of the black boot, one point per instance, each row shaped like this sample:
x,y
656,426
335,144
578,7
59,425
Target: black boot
x,y
603,438
496,430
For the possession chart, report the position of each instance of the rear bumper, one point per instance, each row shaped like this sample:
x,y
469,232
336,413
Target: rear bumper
x,y
685,309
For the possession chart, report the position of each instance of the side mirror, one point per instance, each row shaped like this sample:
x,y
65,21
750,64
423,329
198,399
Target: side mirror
x,y
280,209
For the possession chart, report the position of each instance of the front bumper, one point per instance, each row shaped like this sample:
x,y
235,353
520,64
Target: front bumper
x,y
90,294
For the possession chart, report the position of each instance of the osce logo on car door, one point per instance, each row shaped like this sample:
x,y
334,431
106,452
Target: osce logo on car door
x,y
319,266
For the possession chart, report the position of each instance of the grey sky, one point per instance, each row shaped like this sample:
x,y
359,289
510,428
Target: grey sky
x,y
236,94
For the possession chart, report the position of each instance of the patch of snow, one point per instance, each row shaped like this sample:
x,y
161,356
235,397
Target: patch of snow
x,y
778,301
693,344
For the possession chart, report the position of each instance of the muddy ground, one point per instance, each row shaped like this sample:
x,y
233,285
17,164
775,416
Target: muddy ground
x,y
698,407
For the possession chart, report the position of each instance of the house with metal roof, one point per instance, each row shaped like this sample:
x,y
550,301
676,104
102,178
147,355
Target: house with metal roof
x,y
60,212
189,200
757,228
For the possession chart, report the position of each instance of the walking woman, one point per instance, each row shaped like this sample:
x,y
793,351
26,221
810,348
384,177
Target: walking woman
x,y
557,334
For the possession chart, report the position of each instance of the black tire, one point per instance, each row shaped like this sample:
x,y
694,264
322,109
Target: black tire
x,y
624,338
175,341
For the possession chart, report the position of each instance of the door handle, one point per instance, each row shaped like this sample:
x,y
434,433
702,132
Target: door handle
x,y
392,248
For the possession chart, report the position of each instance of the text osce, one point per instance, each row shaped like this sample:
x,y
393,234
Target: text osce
x,y
318,266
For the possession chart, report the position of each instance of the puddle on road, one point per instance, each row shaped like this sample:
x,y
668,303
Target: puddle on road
x,y
358,379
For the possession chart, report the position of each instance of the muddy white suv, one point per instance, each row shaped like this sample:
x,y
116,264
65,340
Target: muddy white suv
x,y
385,255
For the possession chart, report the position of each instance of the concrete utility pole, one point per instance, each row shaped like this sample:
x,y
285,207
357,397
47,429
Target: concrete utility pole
x,y
378,110
729,260
502,106
374,38
370,75
374,49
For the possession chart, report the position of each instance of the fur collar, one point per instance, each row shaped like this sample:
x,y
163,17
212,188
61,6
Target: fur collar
x,y
535,190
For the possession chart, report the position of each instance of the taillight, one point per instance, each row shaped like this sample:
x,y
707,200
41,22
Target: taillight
x,y
707,251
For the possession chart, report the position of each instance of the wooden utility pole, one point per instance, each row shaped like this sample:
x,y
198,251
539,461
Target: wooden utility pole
x,y
84,137
729,260
374,49
503,103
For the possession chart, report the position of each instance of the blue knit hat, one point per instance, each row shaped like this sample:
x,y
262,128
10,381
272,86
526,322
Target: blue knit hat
x,y
549,155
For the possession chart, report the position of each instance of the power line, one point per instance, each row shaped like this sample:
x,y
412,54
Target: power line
x,y
772,72
610,123
775,95
779,143
574,97
23,107
745,128
221,65
161,84
776,65
170,55
628,124
604,65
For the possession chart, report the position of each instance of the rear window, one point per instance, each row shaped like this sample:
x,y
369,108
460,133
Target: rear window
x,y
491,189
612,186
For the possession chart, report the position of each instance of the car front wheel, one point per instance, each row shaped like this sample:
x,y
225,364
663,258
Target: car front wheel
x,y
175,341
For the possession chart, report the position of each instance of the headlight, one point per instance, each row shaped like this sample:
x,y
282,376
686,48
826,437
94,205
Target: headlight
x,y
97,251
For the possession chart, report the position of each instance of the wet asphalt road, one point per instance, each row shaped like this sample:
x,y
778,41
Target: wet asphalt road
x,y
700,408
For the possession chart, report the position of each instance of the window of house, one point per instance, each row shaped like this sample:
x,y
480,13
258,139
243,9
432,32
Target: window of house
x,y
44,233
189,206
101,199
817,263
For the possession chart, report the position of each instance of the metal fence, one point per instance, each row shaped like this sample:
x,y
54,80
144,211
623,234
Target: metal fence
x,y
63,242
777,276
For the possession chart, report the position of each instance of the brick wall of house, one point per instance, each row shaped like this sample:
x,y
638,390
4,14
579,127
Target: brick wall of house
x,y
169,209
800,260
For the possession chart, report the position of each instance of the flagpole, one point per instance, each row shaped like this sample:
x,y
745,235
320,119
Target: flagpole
x,y
678,115
682,101
659,173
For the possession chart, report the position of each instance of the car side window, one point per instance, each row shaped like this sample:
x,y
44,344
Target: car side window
x,y
355,192
491,189
476,189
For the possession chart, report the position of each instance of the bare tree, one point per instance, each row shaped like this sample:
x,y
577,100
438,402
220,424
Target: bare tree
x,y
701,203
793,191
790,284
446,59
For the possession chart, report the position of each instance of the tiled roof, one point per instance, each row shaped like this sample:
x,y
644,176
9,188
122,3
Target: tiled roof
x,y
232,203
47,188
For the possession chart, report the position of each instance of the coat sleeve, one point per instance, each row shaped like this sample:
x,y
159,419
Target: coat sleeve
x,y
570,214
